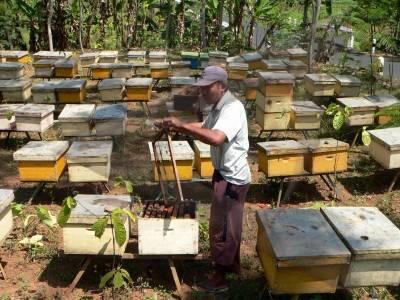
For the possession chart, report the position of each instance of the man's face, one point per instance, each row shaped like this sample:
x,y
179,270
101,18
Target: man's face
x,y
213,92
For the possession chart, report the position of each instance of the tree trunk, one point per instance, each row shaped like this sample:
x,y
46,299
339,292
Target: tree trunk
x,y
49,18
80,25
102,23
220,19
132,21
316,5
305,13
181,24
203,25
251,29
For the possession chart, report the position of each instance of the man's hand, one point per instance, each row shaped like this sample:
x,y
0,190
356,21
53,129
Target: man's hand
x,y
171,123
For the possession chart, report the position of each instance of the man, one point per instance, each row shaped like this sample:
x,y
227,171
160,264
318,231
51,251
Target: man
x,y
225,129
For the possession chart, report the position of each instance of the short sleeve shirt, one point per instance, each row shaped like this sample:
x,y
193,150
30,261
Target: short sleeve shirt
x,y
230,158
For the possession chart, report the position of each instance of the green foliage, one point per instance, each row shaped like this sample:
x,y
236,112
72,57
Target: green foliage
x,y
68,204
393,112
17,209
118,277
46,216
100,226
365,136
9,115
120,181
339,114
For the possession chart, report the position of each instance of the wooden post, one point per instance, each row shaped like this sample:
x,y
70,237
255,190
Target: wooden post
x,y
175,276
2,272
178,182
81,271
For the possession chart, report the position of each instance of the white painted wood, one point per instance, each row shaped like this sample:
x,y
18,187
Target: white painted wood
x,y
77,113
158,65
296,52
44,68
383,101
90,152
116,94
6,223
16,90
139,82
52,55
110,120
202,149
363,110
75,129
137,54
89,172
252,57
325,145
181,150
181,81
272,104
385,147
297,68
66,63
88,58
273,65
11,70
108,57
238,66
122,70
13,54
44,92
275,78
34,117
306,115
272,121
71,85
41,151
281,147
7,117
6,197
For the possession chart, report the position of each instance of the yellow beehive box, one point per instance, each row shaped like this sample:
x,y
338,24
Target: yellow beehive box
x,y
299,251
347,86
181,68
11,70
363,111
112,89
276,84
272,121
7,116
138,89
157,56
41,161
383,102
122,70
51,55
385,147
16,90
298,54
273,65
44,68
297,68
254,60
159,70
17,56
76,120
251,86
141,68
325,156
66,68
100,71
183,155
34,117
305,115
319,85
71,91
281,158
217,58
237,71
6,217
202,159
273,104
108,57
136,56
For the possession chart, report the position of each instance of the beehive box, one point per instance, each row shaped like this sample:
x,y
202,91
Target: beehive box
x,y
298,54
159,70
363,111
187,116
276,84
51,55
11,70
299,251
269,104
78,238
41,161
204,59
382,102
254,59
236,59
281,158
237,71
141,68
111,89
325,156
66,68
192,57
385,147
374,243
297,68
100,71
273,65
16,90
44,92
202,159
305,115
76,119
157,56
278,54
347,86
110,119
217,58
17,56
89,161
180,68
122,70
108,57
319,85
251,86
272,121
7,116
89,58
34,117
138,89
6,217
179,83
184,157
44,68
136,56
71,91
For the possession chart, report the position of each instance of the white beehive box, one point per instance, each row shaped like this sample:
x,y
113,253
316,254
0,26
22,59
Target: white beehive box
x,y
108,57
181,68
179,83
363,111
347,86
110,119
89,161
157,56
34,117
76,119
274,65
78,238
305,115
383,102
141,68
297,54
318,85
122,70
44,92
272,121
236,58
44,68
11,70
6,217
217,58
297,68
16,90
111,89
385,147
7,116
51,55
136,55
88,58
374,243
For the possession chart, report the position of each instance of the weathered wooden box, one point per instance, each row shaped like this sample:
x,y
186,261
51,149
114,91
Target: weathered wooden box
x,y
136,56
44,68
7,116
347,86
305,115
108,57
180,68
34,117
179,83
319,85
6,217
138,89
184,157
78,238
89,58
192,57
251,86
51,55
110,119
89,161
276,84
374,243
141,68
17,56
204,59
66,68
11,70
281,158
217,58
278,54
297,68
272,121
382,102
41,160
363,111
325,156
254,60
44,92
16,90
299,251
385,147
122,70
273,65
100,71
237,71
76,119
71,91
270,104
159,70
157,56
111,89
298,54
202,159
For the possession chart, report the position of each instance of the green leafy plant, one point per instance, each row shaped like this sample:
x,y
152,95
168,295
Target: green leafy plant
x,y
339,114
9,115
119,278
119,181
68,204
392,112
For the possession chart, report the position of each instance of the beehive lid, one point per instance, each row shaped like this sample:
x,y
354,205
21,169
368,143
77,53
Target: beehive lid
x,y
9,66
92,151
276,78
14,85
34,110
139,82
111,111
325,145
321,78
357,103
89,208
180,63
108,54
137,53
139,64
238,66
279,53
274,64
296,52
53,54
101,66
71,85
237,59
88,55
45,86
6,197
306,108
218,54
181,149
383,101
204,56
251,82
14,54
41,151
158,54
122,66
65,63
300,237
202,148
347,80
180,81
252,56
364,230
44,63
189,54
159,65
281,147
111,83
389,137
5,109
295,64
77,113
